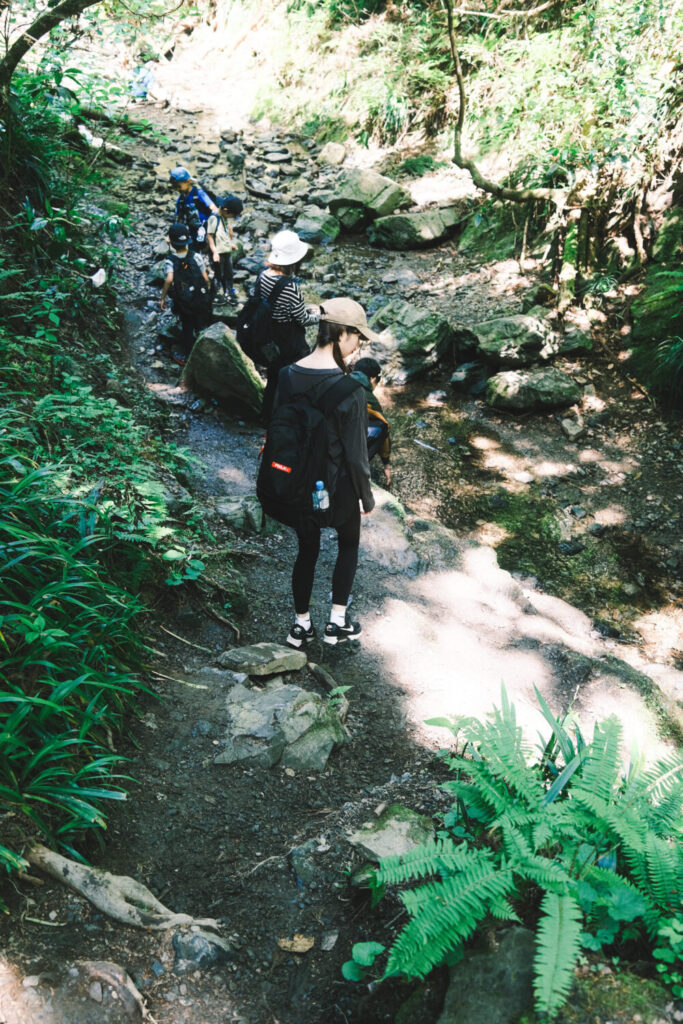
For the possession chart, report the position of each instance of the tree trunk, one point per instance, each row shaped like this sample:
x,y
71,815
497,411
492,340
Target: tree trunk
x,y
524,195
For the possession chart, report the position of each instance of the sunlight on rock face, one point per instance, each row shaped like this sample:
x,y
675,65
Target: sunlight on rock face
x,y
484,444
12,1004
447,668
490,534
611,515
663,629
554,469
233,475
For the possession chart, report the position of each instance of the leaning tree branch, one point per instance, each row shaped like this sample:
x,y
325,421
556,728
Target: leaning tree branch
x,y
44,23
507,14
523,195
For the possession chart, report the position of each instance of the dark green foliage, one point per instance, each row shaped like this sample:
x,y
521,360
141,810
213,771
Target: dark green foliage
x,y
85,476
599,845
416,166
69,653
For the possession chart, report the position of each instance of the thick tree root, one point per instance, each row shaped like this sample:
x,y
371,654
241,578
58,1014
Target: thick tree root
x,y
117,896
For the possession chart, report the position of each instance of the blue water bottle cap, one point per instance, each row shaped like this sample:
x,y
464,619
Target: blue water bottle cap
x,y
319,485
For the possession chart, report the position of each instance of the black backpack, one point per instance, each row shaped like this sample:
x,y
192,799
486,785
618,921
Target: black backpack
x,y
254,329
295,454
191,294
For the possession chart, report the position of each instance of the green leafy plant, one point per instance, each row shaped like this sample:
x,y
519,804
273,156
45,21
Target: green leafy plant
x,y
363,956
565,842
669,954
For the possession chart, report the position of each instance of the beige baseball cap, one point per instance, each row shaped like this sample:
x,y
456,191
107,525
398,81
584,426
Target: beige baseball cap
x,y
347,313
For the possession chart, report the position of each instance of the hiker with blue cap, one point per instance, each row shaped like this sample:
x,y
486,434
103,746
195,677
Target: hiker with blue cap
x,y
193,206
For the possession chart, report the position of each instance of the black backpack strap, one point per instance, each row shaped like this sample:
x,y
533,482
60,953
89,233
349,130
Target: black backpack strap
x,y
335,394
278,288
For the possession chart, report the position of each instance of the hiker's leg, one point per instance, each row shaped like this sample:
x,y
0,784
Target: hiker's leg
x,y
377,433
348,537
269,391
226,270
304,568
188,331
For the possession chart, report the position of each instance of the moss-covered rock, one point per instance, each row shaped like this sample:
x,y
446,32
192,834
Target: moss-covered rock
x,y
366,195
531,389
414,230
421,336
218,367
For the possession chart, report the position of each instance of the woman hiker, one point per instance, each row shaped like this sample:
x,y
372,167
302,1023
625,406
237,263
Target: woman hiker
x,y
342,325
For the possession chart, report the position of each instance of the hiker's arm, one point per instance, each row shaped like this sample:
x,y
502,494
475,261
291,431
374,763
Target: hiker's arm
x,y
354,423
297,310
207,200
215,255
164,291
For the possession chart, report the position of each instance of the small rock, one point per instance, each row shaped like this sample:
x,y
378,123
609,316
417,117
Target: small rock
x,y
262,659
573,428
95,992
571,547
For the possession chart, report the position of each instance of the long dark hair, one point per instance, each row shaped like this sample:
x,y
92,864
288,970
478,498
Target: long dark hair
x,y
329,334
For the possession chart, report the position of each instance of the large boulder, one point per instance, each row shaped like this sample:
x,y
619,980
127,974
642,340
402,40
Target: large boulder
x,y
280,723
414,230
366,195
495,986
415,339
332,153
516,340
218,367
531,389
316,225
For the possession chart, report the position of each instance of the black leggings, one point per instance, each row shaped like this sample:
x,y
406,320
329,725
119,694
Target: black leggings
x,y
348,537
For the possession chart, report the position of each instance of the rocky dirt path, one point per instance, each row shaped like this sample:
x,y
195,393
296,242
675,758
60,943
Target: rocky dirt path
x,y
266,850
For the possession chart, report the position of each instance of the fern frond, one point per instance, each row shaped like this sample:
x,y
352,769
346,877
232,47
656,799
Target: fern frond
x,y
665,873
558,944
493,791
600,769
507,755
666,816
663,776
440,857
479,807
596,804
445,914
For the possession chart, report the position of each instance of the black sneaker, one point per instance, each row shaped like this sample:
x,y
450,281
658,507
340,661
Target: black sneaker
x,y
335,634
298,636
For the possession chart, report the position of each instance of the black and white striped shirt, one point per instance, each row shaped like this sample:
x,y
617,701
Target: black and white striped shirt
x,y
289,307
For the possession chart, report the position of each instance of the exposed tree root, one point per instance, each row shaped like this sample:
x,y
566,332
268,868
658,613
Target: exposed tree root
x,y
117,896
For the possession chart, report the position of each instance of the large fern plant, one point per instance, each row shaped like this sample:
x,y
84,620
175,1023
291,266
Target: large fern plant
x,y
564,840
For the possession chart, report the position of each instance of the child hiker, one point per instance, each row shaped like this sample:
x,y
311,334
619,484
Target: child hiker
x,y
342,324
219,236
192,207
187,280
368,372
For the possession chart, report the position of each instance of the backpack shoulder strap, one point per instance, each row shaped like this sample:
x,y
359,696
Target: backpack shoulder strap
x,y
335,394
278,288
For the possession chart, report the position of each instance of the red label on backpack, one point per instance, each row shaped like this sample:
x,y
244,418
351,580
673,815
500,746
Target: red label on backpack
x,y
278,465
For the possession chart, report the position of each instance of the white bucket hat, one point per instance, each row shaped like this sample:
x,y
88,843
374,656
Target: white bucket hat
x,y
286,249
